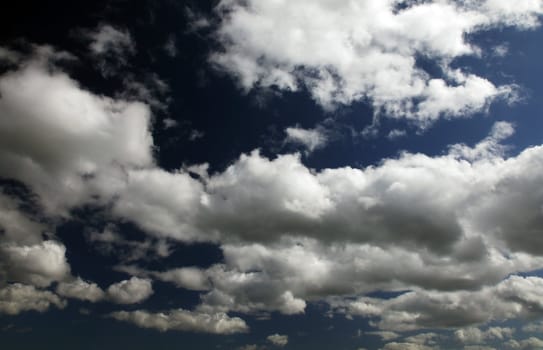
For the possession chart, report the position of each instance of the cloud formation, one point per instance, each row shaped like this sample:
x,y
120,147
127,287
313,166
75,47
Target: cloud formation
x,y
357,51
132,291
311,139
17,298
452,229
278,339
183,320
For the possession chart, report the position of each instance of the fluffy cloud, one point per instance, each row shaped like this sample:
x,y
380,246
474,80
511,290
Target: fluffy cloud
x,y
132,291
39,264
148,201
425,212
353,51
474,335
531,343
515,297
68,143
80,289
183,320
278,339
16,226
16,298
311,139
448,228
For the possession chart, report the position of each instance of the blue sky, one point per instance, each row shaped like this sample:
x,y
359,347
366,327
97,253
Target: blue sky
x,y
254,175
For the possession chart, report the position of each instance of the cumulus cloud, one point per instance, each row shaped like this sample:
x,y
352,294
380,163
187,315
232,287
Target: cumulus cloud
x,y
68,142
349,52
473,335
17,226
132,291
80,289
191,278
311,139
278,339
513,298
110,242
531,343
183,320
448,228
17,298
39,264
425,212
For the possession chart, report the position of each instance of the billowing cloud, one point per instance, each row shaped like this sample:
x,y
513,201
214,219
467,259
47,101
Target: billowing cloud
x,y
16,298
356,51
68,142
452,229
183,320
531,343
514,297
39,264
80,289
473,335
132,291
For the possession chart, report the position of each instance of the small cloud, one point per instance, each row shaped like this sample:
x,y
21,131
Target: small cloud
x,y
132,291
107,39
170,46
111,48
500,50
195,135
311,139
396,134
183,320
170,123
278,339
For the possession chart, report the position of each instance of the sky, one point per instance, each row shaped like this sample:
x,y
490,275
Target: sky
x,y
271,174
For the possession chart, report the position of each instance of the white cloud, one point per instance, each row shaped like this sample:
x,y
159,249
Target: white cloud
x,y
148,201
191,278
183,320
278,339
514,298
418,210
39,264
106,39
348,52
17,298
531,343
132,291
311,139
447,227
16,226
80,289
473,335
68,143
395,134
